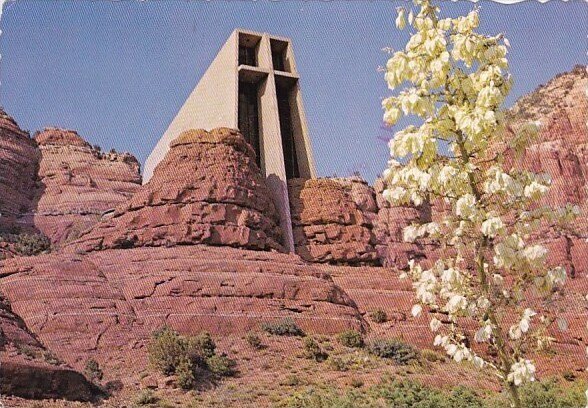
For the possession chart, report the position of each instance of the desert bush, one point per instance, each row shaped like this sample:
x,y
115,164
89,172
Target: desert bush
x,y
313,351
432,356
379,316
411,394
338,363
351,338
92,370
185,372
165,350
145,397
547,394
28,351
31,244
51,358
221,365
394,349
283,327
253,340
171,353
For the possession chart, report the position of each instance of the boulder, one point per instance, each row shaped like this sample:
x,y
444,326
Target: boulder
x,y
332,220
207,190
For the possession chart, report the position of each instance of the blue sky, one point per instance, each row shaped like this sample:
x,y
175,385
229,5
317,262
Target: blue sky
x,y
117,72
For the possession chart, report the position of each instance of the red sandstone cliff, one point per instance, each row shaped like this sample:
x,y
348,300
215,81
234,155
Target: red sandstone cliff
x,y
207,190
78,183
19,159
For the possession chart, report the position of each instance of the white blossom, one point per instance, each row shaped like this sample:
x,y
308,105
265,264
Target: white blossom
x,y
521,372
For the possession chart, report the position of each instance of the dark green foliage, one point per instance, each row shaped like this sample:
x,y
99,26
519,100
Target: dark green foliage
x,y
313,350
186,373
548,394
379,316
145,397
351,338
410,394
171,353
283,327
165,350
253,340
221,365
27,244
396,350
92,370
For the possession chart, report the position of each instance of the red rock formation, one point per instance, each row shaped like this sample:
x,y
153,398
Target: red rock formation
x,y
560,150
78,184
207,190
18,169
29,370
107,303
332,220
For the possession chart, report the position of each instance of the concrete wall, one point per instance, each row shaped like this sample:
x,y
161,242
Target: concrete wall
x,y
212,104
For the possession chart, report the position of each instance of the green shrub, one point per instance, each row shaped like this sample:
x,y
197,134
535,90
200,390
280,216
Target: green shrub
x,y
51,358
410,394
351,338
432,356
338,363
30,244
396,350
283,327
186,374
145,397
547,394
171,353
92,370
253,340
379,316
165,350
202,345
313,350
221,365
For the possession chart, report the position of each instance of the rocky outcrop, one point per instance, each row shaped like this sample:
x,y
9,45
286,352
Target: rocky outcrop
x,y
560,150
207,190
107,303
332,220
29,370
19,159
78,184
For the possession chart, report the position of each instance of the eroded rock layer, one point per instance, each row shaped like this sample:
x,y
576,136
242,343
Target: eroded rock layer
x,y
207,190
19,159
78,184
107,303
332,220
29,370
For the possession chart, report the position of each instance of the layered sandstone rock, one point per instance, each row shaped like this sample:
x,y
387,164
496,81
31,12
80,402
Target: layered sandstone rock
x,y
78,184
207,190
332,220
19,159
29,370
389,224
106,304
560,150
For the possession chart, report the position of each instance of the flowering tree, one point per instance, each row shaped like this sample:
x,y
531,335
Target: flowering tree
x,y
457,80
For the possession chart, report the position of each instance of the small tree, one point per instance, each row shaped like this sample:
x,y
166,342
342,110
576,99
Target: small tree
x,y
457,81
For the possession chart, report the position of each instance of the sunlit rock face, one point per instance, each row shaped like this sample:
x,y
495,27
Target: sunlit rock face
x,y
78,183
333,220
207,190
